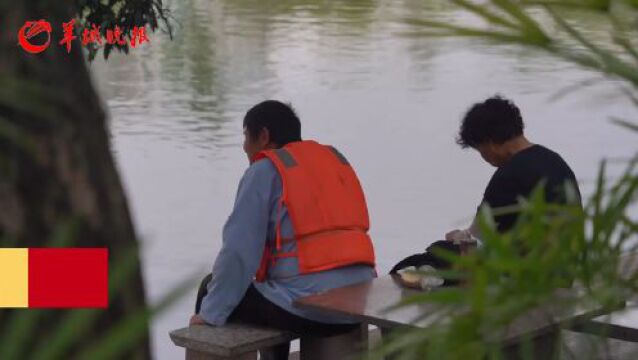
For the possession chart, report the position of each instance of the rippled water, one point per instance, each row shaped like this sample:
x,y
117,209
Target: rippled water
x,y
359,80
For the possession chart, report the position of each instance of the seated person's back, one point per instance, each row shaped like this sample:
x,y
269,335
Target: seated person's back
x,y
519,176
495,129
299,226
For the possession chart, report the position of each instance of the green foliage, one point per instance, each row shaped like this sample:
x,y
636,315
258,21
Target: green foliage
x,y
22,335
126,14
552,246
511,21
64,334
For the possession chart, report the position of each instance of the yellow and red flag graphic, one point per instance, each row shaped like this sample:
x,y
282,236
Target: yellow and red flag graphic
x,y
53,278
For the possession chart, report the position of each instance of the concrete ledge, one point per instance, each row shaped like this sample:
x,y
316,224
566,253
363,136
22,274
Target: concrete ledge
x,y
229,341
620,325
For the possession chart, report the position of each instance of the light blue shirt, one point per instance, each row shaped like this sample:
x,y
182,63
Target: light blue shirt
x,y
251,223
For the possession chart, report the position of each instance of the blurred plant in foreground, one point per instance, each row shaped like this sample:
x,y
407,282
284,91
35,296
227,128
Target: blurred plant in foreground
x,y
23,337
552,246
56,164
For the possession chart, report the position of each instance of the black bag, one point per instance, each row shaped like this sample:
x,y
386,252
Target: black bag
x,y
431,259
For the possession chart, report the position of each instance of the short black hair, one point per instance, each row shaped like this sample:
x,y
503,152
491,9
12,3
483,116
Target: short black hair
x,y
494,120
280,119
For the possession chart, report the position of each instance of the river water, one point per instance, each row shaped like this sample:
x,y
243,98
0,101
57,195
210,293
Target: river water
x,y
360,79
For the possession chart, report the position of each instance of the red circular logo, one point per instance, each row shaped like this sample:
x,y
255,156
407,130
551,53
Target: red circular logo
x,y
31,29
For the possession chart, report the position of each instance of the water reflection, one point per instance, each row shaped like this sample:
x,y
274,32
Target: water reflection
x,y
224,51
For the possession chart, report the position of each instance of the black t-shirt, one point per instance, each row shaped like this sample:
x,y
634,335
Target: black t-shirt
x,y
519,177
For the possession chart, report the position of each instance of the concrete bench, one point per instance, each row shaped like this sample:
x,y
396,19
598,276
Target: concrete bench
x,y
242,341
232,341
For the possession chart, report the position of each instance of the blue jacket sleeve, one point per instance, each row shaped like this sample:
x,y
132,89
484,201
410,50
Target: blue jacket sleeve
x,y
244,237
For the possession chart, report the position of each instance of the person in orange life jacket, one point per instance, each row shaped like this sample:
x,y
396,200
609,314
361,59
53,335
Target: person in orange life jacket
x,y
296,203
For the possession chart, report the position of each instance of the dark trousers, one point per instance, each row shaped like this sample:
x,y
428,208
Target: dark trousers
x,y
255,309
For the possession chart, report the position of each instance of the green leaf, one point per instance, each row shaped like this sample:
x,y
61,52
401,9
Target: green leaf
x,y
467,31
531,29
484,12
131,329
625,123
76,322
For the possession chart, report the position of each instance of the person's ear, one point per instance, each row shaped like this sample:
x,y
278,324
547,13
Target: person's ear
x,y
264,137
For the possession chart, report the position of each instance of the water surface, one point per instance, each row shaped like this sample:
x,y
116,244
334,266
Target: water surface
x,y
391,102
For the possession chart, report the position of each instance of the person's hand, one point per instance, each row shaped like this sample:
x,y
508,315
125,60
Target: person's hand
x,y
197,320
457,236
463,238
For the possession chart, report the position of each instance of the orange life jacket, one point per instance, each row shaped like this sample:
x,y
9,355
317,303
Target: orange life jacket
x,y
326,207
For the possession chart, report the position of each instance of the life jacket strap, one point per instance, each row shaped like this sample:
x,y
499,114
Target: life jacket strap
x,y
288,254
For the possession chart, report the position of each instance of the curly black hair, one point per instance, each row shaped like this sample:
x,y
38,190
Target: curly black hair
x,y
494,120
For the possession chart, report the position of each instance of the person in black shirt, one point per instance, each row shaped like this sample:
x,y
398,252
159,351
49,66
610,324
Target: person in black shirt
x,y
495,129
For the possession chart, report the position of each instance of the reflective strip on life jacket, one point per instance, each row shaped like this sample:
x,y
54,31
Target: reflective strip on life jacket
x,y
339,155
285,157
